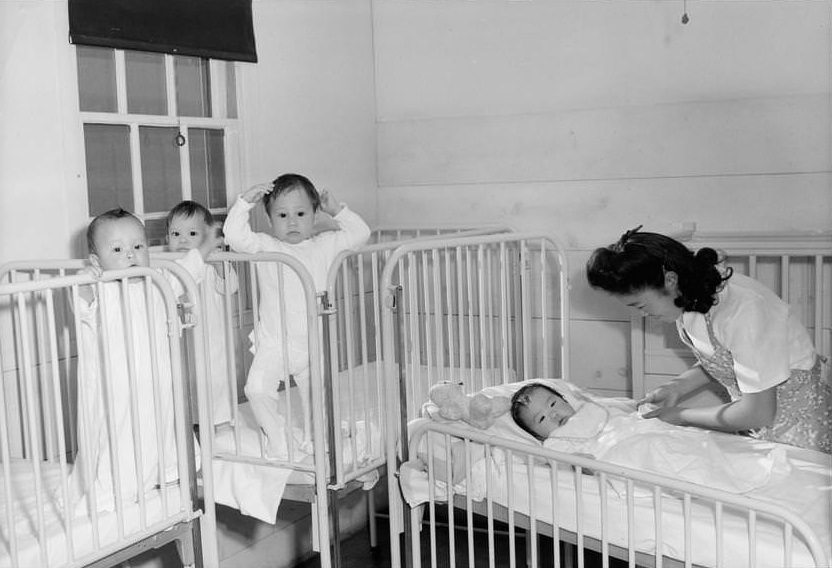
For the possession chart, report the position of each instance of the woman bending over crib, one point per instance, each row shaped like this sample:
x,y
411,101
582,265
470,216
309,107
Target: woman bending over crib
x,y
743,335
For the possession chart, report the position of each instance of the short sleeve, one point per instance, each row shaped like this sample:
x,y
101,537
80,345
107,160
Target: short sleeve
x,y
755,330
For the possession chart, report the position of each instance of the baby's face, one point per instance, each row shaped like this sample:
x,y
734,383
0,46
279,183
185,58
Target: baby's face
x,y
186,233
545,412
121,243
292,216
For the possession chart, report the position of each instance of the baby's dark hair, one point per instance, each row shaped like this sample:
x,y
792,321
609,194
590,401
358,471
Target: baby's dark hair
x,y
290,182
521,399
188,209
111,215
640,260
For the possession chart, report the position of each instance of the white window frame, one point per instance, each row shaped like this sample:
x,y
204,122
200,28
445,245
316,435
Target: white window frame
x,y
218,120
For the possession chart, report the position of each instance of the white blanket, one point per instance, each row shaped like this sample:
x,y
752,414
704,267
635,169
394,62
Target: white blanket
x,y
257,489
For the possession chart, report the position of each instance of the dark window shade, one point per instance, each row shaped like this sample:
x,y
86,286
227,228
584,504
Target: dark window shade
x,y
218,29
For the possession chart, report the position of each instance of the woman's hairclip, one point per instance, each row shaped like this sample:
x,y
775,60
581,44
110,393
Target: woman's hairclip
x,y
625,238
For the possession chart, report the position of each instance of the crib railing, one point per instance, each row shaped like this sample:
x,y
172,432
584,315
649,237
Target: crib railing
x,y
481,310
559,506
193,366
59,510
354,308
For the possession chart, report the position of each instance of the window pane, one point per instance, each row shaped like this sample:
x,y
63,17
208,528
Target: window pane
x,y
155,231
108,167
161,174
96,79
231,89
207,155
146,91
193,86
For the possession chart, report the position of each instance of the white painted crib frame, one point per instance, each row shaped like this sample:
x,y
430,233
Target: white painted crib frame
x,y
330,472
459,291
587,508
44,346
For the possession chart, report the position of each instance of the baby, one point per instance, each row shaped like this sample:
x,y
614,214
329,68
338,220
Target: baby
x,y
190,226
124,369
539,410
292,204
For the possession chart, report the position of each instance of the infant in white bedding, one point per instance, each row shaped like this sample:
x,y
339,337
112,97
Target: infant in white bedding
x,y
613,430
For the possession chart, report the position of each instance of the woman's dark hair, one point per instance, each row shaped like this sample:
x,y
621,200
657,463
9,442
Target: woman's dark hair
x,y
521,399
290,182
640,260
188,209
111,215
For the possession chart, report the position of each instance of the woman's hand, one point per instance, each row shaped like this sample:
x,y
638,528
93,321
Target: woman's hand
x,y
669,414
669,394
665,396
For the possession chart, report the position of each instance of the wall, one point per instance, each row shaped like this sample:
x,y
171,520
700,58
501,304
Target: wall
x,y
309,100
42,197
583,119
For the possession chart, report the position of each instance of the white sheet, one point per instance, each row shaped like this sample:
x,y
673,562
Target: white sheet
x,y
798,479
24,510
256,490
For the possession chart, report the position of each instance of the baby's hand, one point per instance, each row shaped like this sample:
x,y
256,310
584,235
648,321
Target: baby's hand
x,y
92,269
256,192
329,204
212,241
87,292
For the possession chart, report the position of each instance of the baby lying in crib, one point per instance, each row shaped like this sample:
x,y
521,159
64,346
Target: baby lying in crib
x,y
567,419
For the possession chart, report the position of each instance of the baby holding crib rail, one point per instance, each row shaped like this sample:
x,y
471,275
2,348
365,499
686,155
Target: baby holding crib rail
x,y
743,335
191,226
292,204
125,399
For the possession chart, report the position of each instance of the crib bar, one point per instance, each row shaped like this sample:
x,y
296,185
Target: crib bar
x,y
817,305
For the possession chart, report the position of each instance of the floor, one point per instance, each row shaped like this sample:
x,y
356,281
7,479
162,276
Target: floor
x,y
356,553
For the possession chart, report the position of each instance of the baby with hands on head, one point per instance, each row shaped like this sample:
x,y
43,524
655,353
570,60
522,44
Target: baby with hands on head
x,y
292,213
291,204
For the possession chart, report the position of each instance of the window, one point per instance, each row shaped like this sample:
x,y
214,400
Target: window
x,y
157,129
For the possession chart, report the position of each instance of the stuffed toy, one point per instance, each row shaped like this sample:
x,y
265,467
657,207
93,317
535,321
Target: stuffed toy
x,y
478,410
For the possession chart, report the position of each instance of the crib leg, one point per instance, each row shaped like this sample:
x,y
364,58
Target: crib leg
x,y
371,511
336,529
316,532
188,554
570,555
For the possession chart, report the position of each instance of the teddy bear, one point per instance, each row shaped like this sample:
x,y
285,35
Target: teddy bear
x,y
478,410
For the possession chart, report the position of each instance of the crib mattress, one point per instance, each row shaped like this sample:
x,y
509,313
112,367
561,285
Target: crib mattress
x,y
46,536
